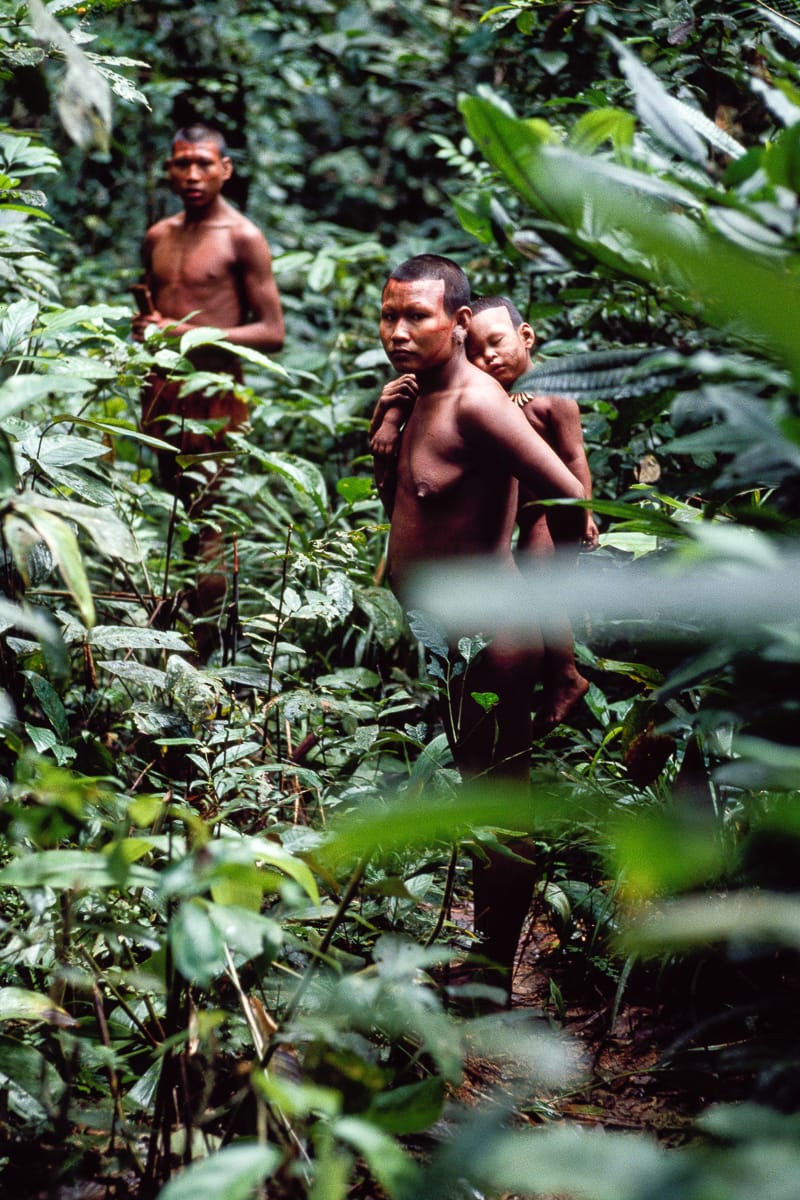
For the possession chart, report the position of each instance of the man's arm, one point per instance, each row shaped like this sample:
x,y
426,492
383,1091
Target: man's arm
x,y
385,472
493,425
570,447
254,261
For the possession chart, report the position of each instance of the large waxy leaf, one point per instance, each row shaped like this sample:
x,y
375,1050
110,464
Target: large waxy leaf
x,y
600,375
19,390
19,1004
63,546
78,869
304,477
16,323
29,1081
234,1173
674,123
642,227
127,637
107,531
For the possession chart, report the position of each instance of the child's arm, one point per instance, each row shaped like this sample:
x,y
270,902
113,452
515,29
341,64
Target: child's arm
x,y
391,413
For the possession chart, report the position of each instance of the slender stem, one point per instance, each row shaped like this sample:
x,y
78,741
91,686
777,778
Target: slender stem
x,y
278,619
347,898
447,897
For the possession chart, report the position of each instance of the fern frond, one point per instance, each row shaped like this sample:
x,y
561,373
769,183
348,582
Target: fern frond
x,y
600,375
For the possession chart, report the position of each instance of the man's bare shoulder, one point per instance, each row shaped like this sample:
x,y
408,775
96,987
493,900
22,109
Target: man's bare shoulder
x,y
245,231
478,394
164,227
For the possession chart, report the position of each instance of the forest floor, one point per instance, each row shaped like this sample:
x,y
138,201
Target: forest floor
x,y
625,1080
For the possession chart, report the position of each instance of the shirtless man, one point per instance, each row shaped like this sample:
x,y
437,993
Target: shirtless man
x,y
452,491
500,343
207,265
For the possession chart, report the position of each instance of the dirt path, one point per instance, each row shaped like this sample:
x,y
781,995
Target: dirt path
x,y
625,1083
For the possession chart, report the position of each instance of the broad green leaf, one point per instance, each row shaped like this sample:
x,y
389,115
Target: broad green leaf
x,y
118,429
409,1109
16,323
78,869
61,450
21,390
616,375
81,486
643,227
674,123
247,932
129,637
18,1004
107,531
413,822
274,855
353,488
662,851
51,703
30,1082
305,478
193,692
233,1173
63,545
136,673
562,1159
348,679
765,918
384,612
198,947
83,314
201,335
395,1170
782,159
604,124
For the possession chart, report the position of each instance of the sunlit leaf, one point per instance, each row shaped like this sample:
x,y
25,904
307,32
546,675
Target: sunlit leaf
x,y
643,227
235,1172
19,1004
63,546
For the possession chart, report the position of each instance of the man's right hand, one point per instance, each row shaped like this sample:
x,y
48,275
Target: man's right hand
x,y
141,321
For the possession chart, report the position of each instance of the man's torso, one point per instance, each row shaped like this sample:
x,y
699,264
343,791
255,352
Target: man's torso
x,y
453,498
194,268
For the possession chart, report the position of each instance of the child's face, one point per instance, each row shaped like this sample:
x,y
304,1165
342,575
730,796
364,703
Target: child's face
x,y
494,345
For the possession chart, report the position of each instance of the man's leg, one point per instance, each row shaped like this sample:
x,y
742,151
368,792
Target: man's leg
x,y
198,488
497,745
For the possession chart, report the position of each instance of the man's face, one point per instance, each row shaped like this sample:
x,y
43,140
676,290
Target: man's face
x,y
197,172
494,345
416,332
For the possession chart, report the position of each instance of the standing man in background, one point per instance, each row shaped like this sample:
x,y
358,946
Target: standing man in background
x,y
207,265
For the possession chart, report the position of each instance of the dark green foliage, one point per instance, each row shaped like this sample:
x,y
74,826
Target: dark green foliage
x,y
226,888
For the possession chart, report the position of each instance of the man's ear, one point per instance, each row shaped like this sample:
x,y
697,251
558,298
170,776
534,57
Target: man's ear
x,y
462,317
227,167
527,335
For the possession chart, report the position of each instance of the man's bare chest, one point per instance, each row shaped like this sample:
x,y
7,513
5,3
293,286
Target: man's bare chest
x,y
434,457
194,258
